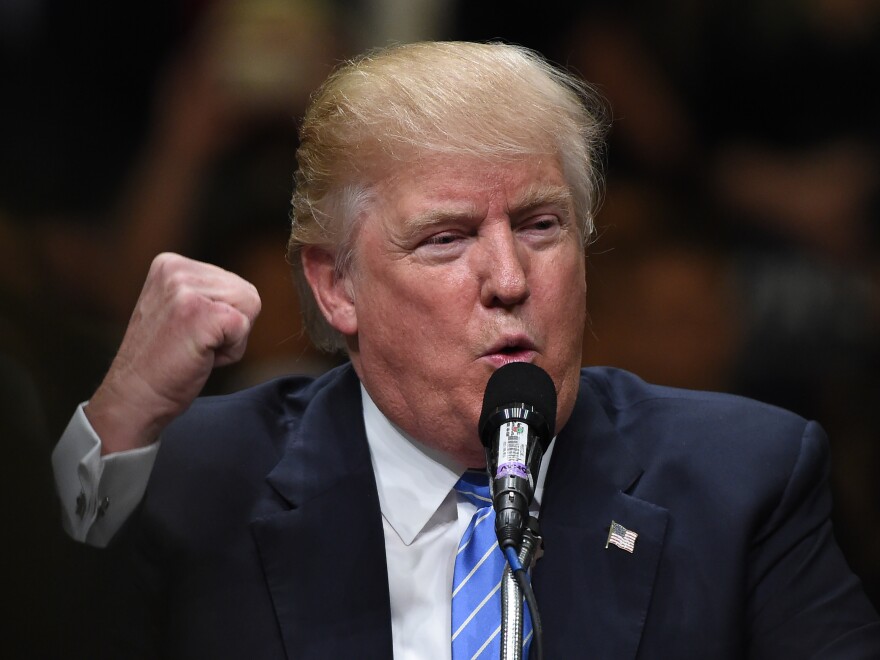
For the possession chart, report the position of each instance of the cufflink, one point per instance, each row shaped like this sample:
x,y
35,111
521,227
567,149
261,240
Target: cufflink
x,y
103,506
81,504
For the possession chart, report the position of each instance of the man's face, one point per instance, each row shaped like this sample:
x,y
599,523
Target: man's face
x,y
461,267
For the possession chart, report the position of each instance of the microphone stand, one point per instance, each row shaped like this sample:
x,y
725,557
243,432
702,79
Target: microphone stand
x,y
512,600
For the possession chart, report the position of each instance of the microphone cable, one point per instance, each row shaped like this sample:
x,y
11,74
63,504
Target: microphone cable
x,y
525,586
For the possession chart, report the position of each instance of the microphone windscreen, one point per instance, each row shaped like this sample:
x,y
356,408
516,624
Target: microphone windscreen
x,y
517,383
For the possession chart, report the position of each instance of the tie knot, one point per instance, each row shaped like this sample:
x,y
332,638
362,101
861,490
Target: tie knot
x,y
474,485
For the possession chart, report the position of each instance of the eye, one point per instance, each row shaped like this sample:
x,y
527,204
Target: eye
x,y
541,225
445,238
442,247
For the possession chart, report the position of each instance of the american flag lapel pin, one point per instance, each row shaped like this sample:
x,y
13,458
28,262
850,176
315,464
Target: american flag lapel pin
x,y
622,537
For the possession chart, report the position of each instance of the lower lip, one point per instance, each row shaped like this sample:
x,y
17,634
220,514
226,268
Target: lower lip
x,y
500,359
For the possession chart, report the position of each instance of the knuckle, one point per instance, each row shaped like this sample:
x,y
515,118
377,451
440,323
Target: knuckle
x,y
238,325
164,261
256,307
186,303
176,281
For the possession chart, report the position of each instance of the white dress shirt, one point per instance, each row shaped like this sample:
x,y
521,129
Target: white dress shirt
x,y
98,493
422,517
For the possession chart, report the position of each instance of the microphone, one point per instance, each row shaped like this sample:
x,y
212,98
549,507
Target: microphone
x,y
516,425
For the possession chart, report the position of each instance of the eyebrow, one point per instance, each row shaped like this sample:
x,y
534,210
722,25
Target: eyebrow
x,y
432,217
539,194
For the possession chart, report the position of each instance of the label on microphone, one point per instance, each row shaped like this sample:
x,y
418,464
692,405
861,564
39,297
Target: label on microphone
x,y
513,440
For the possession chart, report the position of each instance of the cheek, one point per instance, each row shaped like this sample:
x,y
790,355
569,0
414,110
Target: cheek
x,y
408,309
564,286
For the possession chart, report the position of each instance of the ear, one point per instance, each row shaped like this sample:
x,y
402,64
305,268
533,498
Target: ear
x,y
333,294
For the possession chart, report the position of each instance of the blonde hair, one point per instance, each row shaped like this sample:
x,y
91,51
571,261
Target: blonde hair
x,y
494,101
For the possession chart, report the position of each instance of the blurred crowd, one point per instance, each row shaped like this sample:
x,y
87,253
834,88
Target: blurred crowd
x,y
737,248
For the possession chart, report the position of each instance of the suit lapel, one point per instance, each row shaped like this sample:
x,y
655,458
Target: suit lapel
x,y
320,539
594,600
319,534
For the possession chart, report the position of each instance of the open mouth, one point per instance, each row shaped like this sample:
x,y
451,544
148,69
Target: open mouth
x,y
518,349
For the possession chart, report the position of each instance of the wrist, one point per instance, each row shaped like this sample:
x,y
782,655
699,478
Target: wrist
x,y
123,422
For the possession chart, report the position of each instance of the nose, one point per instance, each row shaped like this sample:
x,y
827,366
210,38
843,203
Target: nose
x,y
504,268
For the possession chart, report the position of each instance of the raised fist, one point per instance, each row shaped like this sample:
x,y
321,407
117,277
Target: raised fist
x,y
189,318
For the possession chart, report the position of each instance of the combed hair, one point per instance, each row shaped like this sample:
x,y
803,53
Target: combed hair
x,y
492,101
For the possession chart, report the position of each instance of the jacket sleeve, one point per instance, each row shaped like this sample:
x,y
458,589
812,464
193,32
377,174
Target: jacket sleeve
x,y
803,599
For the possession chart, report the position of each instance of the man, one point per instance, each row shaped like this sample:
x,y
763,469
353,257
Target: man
x,y
443,199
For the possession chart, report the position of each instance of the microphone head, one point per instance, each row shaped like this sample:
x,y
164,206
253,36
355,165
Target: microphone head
x,y
520,383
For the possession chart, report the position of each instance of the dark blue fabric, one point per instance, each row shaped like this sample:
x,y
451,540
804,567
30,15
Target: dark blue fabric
x,y
260,535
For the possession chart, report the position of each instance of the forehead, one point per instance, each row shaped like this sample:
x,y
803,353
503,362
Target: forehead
x,y
472,185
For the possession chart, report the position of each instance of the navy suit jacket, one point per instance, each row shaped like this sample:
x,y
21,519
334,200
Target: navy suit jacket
x,y
260,535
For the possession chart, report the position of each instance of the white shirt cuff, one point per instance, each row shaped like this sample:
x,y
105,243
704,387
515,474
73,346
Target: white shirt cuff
x,y
98,493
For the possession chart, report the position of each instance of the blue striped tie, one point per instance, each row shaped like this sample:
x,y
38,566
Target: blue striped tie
x,y
476,582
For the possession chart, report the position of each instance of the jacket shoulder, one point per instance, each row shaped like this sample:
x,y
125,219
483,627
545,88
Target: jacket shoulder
x,y
722,443
628,400
230,441
267,412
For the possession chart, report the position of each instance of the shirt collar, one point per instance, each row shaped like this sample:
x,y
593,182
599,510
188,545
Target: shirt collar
x,y
413,480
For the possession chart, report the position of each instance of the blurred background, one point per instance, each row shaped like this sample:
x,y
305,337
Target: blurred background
x,y
737,247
